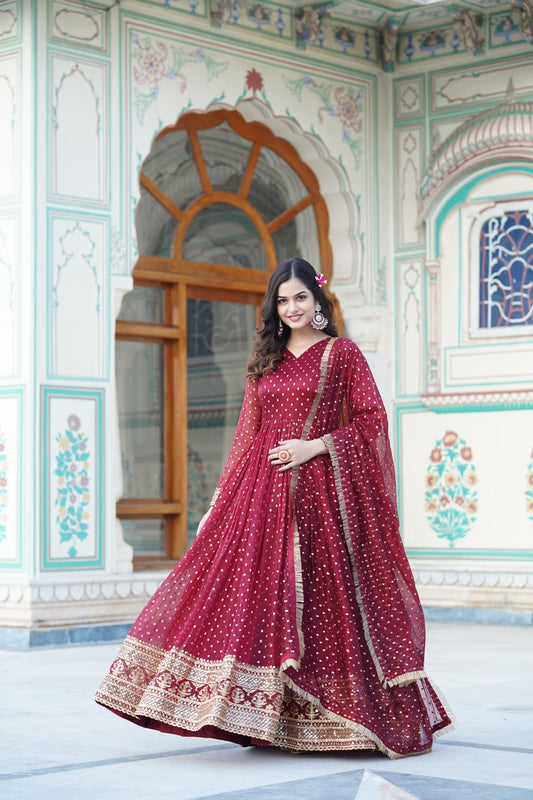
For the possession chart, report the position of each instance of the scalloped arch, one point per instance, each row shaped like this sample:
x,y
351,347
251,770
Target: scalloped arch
x,y
483,139
334,184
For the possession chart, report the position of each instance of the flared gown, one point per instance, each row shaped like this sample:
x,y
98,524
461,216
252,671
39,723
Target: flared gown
x,y
293,619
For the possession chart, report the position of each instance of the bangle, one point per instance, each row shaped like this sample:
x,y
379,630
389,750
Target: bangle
x,y
215,496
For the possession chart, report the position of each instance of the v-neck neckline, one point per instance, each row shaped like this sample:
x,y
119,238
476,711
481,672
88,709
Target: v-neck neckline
x,y
297,358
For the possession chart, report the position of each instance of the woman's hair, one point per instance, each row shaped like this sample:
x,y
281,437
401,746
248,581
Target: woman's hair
x,y
268,345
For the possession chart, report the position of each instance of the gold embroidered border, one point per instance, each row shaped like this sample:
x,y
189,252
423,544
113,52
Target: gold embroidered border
x,y
299,591
182,691
399,680
330,444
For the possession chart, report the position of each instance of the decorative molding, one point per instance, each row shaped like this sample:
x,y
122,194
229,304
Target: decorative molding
x,y
505,128
104,599
81,25
477,401
473,577
10,22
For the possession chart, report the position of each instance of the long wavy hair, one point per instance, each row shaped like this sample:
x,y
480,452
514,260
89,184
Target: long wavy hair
x,y
268,345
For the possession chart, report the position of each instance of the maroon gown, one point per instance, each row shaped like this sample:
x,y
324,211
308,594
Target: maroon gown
x,y
293,619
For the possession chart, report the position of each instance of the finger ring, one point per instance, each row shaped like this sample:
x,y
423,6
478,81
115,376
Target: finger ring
x,y
284,456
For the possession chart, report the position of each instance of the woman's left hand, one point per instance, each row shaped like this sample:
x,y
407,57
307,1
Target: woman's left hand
x,y
293,452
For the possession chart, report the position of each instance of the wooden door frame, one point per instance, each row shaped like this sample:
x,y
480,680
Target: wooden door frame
x,y
181,278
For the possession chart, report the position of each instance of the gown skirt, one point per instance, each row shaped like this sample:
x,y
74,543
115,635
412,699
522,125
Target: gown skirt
x,y
256,636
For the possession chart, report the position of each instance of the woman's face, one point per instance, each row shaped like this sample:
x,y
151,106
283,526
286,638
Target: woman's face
x,y
296,304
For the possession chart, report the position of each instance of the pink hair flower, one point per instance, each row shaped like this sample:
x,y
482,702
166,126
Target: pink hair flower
x,y
320,279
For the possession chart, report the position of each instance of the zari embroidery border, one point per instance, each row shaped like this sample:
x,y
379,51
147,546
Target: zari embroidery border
x,y
184,691
298,581
400,680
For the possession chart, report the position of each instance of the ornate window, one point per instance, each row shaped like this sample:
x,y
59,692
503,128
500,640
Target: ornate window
x,y
222,201
506,270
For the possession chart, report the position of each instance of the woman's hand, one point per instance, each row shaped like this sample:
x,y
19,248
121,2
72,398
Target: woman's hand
x,y
293,452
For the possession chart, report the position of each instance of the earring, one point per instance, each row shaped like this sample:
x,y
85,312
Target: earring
x,y
319,322
280,328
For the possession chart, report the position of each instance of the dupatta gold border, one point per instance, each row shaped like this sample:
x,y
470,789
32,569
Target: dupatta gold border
x,y
323,371
399,680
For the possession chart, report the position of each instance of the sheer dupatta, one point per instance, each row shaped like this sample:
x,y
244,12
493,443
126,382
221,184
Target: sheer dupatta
x,y
364,477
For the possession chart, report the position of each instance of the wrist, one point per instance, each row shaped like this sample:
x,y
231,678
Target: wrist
x,y
320,448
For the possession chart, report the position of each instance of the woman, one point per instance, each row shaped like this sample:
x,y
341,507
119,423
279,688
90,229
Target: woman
x,y
293,619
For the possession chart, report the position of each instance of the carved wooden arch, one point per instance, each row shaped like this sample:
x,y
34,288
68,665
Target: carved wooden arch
x,y
262,137
181,279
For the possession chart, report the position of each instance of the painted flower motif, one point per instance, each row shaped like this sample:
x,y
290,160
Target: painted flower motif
x,y
74,422
529,479
3,481
451,480
72,472
529,506
254,80
2,447
349,110
449,439
150,67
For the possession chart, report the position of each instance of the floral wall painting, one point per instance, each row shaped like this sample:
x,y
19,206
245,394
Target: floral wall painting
x,y
344,103
73,481
155,62
451,500
73,485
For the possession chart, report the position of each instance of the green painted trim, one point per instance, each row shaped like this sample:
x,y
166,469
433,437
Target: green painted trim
x,y
455,553
481,407
94,61
462,193
55,212
18,393
74,564
398,410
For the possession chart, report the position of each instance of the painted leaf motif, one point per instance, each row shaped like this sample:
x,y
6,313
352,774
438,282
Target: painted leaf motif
x,y
451,500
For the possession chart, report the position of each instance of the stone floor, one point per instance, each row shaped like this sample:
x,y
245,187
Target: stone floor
x,y
57,743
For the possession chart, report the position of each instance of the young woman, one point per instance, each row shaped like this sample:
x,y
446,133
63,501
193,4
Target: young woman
x,y
293,619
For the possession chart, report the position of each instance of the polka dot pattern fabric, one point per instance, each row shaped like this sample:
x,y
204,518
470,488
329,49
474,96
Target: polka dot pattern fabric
x,y
293,619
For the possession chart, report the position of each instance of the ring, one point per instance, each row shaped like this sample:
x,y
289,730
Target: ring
x,y
284,456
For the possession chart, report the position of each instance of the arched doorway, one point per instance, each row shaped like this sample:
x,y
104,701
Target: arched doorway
x,y
222,201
